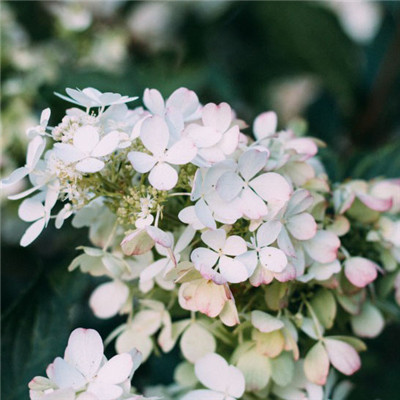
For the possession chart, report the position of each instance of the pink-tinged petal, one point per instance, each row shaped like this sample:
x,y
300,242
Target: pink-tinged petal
x,y
108,299
252,162
203,136
66,375
107,144
141,162
68,153
214,239
219,116
360,271
232,270
375,203
261,276
230,140
35,149
89,165
32,232
288,274
181,152
163,177
234,246
210,298
136,243
160,237
185,100
229,186
202,257
155,134
213,372
104,391
303,146
273,259
82,396
204,214
205,394
323,247
85,351
264,322
251,205
86,138
116,370
300,201
236,382
153,101
229,315
265,125
285,243
273,188
316,364
15,176
31,209
342,356
268,232
302,226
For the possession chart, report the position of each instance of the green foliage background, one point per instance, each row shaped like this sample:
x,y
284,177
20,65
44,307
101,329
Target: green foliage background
x,y
237,52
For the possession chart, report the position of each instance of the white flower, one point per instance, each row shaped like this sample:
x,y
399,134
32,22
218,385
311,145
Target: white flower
x,y
85,373
35,150
87,148
41,128
90,97
224,381
155,137
227,269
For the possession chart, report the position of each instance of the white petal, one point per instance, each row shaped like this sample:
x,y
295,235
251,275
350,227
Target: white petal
x,y
203,136
35,150
90,165
316,364
84,351
213,372
236,382
108,299
163,177
181,152
343,356
273,259
219,116
214,239
285,244
86,138
185,100
265,125
105,391
203,257
268,232
116,370
369,323
360,271
204,394
188,216
155,134
153,100
233,270
68,153
229,186
44,117
204,214
185,239
153,269
302,226
107,144
65,375
141,162
273,188
32,232
230,140
300,201
196,342
160,237
323,246
31,210
234,245
252,206
252,162
15,176
131,339
264,322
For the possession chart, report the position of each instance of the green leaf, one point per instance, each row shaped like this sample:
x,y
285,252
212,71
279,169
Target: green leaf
x,y
35,329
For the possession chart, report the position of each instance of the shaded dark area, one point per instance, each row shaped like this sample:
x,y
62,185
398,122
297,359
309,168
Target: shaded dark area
x,y
241,54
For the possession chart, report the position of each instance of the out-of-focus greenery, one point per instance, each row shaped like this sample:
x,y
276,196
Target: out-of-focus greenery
x,y
336,65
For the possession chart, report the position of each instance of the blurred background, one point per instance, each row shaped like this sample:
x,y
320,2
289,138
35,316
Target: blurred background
x,y
335,64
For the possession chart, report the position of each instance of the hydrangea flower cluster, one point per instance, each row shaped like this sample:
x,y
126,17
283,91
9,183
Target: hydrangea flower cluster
x,y
226,239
